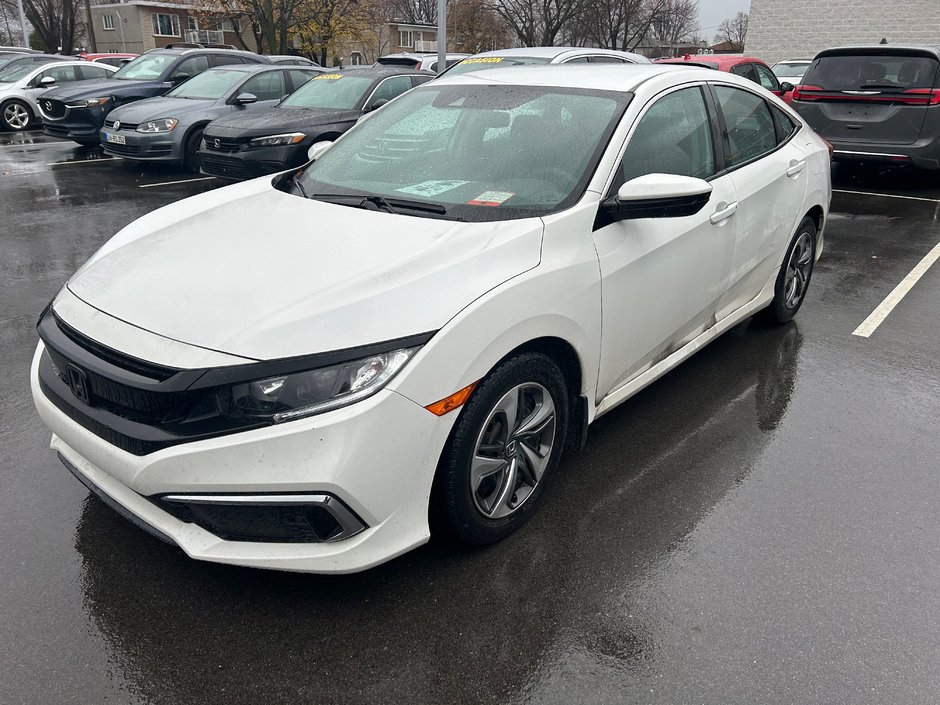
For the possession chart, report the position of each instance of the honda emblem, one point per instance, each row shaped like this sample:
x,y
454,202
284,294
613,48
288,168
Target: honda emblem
x,y
78,382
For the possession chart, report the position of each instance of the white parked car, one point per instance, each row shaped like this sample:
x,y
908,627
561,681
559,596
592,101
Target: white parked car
x,y
791,70
22,85
538,56
295,371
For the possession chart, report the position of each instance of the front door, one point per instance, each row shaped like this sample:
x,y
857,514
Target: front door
x,y
662,278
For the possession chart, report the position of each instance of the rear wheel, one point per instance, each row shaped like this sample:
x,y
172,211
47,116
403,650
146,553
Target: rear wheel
x,y
793,279
508,440
191,150
16,115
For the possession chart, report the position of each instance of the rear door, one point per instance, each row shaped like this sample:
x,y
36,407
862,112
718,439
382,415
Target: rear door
x,y
869,97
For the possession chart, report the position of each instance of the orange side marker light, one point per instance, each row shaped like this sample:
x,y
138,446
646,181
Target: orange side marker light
x,y
454,401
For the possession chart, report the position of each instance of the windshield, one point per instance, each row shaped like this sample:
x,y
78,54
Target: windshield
x,y
884,73
789,70
329,90
16,71
145,68
477,152
208,85
476,63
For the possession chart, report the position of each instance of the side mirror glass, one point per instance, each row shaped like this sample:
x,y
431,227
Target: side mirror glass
x,y
46,82
245,99
378,104
179,78
318,148
659,196
786,86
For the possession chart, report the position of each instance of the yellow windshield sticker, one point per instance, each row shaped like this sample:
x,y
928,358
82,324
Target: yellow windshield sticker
x,y
483,60
328,77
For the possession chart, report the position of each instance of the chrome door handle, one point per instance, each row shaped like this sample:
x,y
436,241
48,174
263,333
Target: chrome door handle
x,y
796,167
725,212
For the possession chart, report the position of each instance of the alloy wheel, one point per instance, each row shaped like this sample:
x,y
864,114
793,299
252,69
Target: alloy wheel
x,y
799,267
16,116
513,450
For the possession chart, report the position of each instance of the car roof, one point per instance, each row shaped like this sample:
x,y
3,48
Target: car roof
x,y
252,68
202,50
76,62
882,49
795,61
722,61
548,52
623,78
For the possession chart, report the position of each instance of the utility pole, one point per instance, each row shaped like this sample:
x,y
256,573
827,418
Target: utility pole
x,y
19,6
91,27
441,35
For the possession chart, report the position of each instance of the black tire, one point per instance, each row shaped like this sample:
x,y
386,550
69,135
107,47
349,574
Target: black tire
x,y
191,149
456,505
786,302
11,115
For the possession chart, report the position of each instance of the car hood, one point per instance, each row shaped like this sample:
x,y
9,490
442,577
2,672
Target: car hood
x,y
95,87
266,122
153,108
262,274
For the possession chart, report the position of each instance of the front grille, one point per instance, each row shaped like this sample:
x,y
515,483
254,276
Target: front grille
x,y
52,109
121,148
218,144
129,126
226,167
55,130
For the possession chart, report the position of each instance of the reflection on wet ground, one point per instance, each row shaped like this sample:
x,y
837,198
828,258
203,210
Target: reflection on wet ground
x,y
758,526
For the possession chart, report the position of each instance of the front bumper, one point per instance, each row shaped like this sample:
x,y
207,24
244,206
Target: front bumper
x,y
139,146
251,163
378,457
79,124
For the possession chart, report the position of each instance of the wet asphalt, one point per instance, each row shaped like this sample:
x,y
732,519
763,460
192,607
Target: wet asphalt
x,y
760,526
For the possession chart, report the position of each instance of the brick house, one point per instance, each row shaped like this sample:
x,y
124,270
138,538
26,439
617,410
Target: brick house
x,y
136,26
798,29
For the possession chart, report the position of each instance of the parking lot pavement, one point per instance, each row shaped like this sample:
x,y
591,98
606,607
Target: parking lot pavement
x,y
760,526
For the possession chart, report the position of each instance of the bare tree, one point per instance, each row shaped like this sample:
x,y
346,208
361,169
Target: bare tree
x,y
677,22
537,22
476,27
55,21
414,11
733,30
616,24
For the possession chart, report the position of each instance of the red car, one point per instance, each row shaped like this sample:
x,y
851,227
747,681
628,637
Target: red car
x,y
747,66
111,58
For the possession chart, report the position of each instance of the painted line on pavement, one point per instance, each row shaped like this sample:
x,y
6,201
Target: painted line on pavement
x,y
82,161
181,181
875,319
887,195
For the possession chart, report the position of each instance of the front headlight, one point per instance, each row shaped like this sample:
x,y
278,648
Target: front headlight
x,y
277,140
161,125
89,102
294,396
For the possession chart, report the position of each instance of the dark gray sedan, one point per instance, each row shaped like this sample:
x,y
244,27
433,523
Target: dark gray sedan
x,y
169,128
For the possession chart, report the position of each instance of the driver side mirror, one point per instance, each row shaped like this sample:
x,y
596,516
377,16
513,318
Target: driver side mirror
x,y
786,86
179,78
45,82
245,99
318,148
378,104
658,196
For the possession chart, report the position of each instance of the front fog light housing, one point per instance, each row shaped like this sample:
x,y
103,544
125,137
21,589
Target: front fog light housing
x,y
277,140
161,125
293,396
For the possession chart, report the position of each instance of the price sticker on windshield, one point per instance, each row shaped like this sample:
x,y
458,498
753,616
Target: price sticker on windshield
x,y
483,60
491,198
328,77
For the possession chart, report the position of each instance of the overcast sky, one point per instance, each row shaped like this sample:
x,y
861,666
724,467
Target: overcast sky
x,y
712,12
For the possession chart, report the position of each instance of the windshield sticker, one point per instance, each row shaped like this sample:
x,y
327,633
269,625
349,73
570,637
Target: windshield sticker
x,y
491,198
483,60
429,189
328,77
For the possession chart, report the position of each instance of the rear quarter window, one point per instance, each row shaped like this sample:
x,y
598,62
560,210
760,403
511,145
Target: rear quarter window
x,y
857,72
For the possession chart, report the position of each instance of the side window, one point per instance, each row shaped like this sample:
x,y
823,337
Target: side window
x,y
388,89
606,60
190,67
266,86
784,123
767,78
578,60
418,80
748,122
61,74
299,78
746,70
673,137
94,72
222,60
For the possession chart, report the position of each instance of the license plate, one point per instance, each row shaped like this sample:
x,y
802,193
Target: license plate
x,y
115,139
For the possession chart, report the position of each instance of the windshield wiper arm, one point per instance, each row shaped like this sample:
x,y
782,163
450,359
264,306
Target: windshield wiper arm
x,y
387,205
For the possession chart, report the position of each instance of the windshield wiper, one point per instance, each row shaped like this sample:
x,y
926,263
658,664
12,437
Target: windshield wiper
x,y
387,205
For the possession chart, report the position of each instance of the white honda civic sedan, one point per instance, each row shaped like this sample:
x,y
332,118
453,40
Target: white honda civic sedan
x,y
308,372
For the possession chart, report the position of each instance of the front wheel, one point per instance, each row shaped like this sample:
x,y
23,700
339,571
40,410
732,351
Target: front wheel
x,y
16,115
506,443
191,150
793,279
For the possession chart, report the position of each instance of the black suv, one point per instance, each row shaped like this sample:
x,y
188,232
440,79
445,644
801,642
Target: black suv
x,y
77,112
875,103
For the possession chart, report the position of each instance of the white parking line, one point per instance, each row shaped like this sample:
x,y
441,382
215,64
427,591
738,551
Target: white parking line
x,y
82,161
887,195
181,181
870,324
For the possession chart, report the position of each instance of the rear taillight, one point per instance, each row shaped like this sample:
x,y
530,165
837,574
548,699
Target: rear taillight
x,y
804,92
912,96
931,96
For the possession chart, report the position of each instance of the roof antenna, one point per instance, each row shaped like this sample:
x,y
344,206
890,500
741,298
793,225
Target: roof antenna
x,y
884,40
